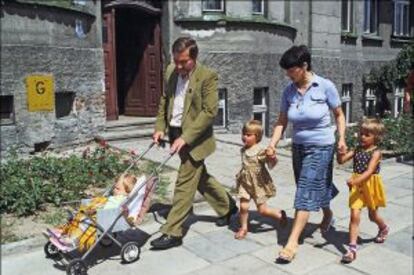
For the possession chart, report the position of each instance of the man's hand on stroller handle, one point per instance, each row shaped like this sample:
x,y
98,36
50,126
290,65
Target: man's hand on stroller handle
x,y
157,137
178,144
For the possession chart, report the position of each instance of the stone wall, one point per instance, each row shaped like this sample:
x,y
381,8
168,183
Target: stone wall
x,y
39,39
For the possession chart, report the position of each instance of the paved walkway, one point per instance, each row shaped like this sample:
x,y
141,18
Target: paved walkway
x,y
208,249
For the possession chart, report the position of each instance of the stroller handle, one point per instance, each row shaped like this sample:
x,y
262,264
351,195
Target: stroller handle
x,y
162,143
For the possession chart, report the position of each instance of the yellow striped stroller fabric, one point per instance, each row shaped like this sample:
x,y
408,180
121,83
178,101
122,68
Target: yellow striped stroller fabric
x,y
81,227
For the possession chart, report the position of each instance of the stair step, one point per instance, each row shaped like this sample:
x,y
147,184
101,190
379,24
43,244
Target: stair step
x,y
129,122
122,135
130,128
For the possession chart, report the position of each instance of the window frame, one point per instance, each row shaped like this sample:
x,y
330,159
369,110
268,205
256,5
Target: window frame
x,y
398,100
222,104
346,99
400,20
221,10
370,95
262,108
350,17
368,28
262,13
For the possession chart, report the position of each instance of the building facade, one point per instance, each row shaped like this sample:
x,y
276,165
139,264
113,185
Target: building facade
x,y
111,54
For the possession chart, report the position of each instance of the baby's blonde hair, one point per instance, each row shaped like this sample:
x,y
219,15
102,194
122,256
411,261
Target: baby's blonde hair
x,y
254,127
128,181
373,126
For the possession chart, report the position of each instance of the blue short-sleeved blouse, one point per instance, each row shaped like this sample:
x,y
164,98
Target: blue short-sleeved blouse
x,y
310,113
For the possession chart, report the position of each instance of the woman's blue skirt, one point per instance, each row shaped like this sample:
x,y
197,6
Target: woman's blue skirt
x,y
312,165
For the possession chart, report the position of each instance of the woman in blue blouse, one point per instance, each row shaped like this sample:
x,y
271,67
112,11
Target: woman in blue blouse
x,y
306,103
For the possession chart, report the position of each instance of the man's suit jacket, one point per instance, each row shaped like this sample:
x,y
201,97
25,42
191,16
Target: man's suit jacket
x,y
200,109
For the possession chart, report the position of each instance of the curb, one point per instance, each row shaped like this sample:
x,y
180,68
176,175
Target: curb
x,y
22,246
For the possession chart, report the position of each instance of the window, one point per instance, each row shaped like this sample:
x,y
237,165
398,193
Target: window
x,y
258,7
370,16
79,2
260,110
213,5
370,101
398,100
347,16
401,24
221,118
64,103
6,110
346,95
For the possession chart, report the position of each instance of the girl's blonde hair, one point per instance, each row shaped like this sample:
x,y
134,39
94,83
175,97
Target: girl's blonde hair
x,y
254,127
373,126
128,181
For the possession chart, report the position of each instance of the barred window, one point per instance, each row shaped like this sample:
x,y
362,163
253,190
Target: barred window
x,y
401,25
398,100
347,15
370,16
260,107
346,98
213,5
258,7
370,101
221,118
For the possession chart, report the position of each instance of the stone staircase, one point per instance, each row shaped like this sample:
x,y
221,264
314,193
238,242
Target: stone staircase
x,y
127,128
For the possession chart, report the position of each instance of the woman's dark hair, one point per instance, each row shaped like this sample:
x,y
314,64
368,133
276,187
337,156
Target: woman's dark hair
x,y
183,43
296,56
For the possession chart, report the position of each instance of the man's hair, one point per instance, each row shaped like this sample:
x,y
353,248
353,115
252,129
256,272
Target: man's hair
x,y
183,43
254,127
296,56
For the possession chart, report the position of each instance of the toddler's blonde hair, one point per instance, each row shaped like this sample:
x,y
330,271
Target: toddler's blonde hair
x,y
128,181
254,127
373,126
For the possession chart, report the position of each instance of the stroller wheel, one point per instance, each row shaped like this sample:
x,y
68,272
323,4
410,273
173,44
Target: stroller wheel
x,y
130,252
52,251
76,267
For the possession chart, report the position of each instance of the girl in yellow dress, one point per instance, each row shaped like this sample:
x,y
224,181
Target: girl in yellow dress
x,y
253,180
365,185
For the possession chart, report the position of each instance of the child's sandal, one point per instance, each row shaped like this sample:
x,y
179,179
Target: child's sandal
x,y
241,234
350,255
382,234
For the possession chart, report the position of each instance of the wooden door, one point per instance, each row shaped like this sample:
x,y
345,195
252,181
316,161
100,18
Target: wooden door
x,y
143,94
109,49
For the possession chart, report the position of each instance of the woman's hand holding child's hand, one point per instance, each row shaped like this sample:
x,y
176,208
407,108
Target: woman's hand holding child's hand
x,y
271,156
270,152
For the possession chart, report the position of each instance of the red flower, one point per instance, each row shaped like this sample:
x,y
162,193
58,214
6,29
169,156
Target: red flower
x,y
103,143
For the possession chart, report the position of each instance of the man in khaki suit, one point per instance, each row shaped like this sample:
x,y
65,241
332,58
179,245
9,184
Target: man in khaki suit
x,y
187,110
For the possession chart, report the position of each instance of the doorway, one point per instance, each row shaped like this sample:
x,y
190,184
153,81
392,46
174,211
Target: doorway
x,y
133,64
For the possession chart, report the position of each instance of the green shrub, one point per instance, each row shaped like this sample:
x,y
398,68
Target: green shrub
x,y
29,183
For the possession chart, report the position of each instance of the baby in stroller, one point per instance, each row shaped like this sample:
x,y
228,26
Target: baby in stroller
x,y
80,232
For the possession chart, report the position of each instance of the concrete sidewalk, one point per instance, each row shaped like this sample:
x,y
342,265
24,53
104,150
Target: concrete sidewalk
x,y
208,249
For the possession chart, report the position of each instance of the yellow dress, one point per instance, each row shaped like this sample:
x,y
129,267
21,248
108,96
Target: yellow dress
x,y
253,180
370,193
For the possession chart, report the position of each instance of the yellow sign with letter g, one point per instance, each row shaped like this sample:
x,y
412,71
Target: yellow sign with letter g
x,y
40,93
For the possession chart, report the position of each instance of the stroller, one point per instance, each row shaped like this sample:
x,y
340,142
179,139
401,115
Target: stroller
x,y
109,222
